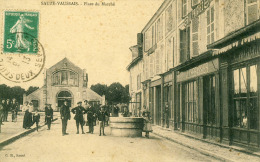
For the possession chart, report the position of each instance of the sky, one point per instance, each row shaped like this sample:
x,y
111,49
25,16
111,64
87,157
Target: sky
x,y
94,38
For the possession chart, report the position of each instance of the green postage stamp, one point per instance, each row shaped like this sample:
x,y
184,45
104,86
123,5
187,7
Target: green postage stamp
x,y
21,32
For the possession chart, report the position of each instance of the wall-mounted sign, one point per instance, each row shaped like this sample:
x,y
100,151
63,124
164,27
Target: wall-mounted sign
x,y
200,70
199,9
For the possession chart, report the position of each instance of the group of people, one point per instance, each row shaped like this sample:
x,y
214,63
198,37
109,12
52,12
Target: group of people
x,y
7,106
31,115
79,111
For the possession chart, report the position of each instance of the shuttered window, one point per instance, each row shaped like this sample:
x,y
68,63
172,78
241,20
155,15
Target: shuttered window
x,y
151,64
184,44
195,36
184,8
169,19
157,62
210,25
252,11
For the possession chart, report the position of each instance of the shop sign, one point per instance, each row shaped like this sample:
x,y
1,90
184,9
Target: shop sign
x,y
199,9
246,54
200,70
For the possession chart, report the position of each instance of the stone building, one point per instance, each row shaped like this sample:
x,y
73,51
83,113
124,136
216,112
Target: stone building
x,y
63,80
201,57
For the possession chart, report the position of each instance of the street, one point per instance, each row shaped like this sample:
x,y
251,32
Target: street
x,y
50,145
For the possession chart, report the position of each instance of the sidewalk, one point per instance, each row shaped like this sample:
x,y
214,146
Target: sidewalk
x,y
11,131
218,151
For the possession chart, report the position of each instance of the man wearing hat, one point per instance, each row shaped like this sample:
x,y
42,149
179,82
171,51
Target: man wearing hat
x,y
65,116
91,116
49,115
79,111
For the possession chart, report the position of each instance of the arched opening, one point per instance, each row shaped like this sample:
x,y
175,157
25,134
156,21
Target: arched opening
x,y
62,96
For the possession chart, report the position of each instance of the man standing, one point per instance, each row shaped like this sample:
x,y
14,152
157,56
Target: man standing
x,y
45,108
3,111
49,116
79,111
91,117
7,108
1,114
166,115
102,114
65,116
14,109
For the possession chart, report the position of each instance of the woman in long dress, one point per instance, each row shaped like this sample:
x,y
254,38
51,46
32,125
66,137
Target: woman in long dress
x,y
147,122
25,109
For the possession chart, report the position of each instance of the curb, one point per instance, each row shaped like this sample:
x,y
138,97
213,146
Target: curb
x,y
20,135
220,145
194,148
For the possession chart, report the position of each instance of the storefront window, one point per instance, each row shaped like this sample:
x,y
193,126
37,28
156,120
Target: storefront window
x,y
209,99
245,97
191,100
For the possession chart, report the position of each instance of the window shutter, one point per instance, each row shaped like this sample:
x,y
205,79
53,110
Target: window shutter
x,y
195,36
252,9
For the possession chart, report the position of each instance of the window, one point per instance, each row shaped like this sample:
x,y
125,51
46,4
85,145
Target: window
x,y
195,36
160,28
169,53
191,100
184,8
184,44
169,19
209,89
65,77
210,25
245,97
252,11
151,65
157,62
139,81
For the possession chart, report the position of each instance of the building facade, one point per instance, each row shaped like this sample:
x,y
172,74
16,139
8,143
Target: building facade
x,y
201,58
63,80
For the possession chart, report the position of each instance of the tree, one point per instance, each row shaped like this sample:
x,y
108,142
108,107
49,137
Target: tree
x,y
31,89
16,92
100,89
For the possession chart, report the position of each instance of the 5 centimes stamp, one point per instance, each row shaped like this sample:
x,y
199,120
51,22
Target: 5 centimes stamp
x,y
22,56
16,24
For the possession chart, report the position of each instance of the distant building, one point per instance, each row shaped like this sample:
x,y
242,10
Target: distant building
x,y
63,80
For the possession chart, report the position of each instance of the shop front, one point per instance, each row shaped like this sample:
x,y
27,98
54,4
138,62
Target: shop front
x,y
198,109
240,72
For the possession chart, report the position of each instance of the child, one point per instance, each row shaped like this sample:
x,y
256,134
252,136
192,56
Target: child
x,y
36,119
102,114
49,115
147,122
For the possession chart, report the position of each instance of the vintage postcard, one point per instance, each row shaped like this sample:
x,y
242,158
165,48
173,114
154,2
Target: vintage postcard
x,y
129,80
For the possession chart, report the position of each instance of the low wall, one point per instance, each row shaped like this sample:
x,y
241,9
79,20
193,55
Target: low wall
x,y
126,126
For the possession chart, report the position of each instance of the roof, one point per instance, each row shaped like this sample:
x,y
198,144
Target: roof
x,y
134,62
65,59
156,14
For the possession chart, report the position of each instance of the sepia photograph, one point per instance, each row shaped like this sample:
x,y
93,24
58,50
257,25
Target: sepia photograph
x,y
129,80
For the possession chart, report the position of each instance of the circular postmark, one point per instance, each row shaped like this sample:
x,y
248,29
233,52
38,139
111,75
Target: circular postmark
x,y
20,65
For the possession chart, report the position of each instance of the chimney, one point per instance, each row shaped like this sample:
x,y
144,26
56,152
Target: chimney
x,y
140,44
